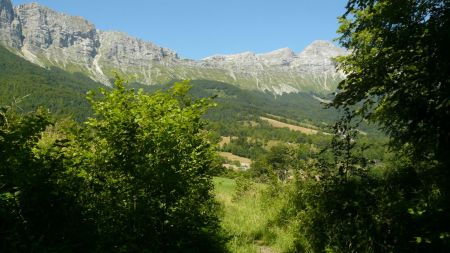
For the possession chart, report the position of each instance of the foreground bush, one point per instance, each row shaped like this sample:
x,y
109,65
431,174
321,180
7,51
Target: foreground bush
x,y
134,178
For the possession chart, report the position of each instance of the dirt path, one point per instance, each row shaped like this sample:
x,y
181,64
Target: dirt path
x,y
264,248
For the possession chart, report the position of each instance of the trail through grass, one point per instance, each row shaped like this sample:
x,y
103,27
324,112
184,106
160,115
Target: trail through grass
x,y
250,218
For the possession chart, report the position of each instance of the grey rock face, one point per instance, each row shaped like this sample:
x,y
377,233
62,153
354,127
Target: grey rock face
x,y
319,54
49,38
10,27
120,49
58,37
282,70
280,57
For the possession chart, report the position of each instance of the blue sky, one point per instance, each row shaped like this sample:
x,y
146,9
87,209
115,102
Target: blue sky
x,y
200,28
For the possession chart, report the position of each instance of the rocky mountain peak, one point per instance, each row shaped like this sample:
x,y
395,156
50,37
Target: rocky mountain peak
x,y
121,49
47,13
244,56
282,56
281,53
43,27
321,48
132,47
49,38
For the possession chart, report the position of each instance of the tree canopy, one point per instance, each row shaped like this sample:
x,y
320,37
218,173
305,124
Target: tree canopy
x,y
398,76
398,70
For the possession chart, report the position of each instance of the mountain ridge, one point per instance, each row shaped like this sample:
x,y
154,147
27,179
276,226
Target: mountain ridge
x,y
49,38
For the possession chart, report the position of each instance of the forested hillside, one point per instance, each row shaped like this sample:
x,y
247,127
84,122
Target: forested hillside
x,y
64,93
61,92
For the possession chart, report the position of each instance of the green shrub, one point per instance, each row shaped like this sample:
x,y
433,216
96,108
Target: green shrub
x,y
134,178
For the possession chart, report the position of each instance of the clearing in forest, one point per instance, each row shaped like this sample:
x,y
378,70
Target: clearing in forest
x,y
279,124
244,162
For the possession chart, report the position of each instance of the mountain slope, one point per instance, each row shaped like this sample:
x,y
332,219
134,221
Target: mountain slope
x,y
63,93
236,104
49,38
33,86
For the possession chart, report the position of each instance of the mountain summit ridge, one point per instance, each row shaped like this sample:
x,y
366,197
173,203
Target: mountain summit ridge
x,y
49,38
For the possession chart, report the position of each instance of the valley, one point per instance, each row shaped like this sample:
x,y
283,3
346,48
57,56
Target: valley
x,y
113,143
248,128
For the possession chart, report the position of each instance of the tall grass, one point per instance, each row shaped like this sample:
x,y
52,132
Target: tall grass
x,y
251,216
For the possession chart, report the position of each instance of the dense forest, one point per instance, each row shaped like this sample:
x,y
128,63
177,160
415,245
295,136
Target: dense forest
x,y
133,168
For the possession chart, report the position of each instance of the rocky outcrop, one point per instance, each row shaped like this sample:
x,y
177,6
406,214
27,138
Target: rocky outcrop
x,y
57,38
10,26
318,57
49,38
121,49
282,70
280,57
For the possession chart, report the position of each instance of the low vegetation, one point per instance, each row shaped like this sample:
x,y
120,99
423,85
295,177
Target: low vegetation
x,y
250,216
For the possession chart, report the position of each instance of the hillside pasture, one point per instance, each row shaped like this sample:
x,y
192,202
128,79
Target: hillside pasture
x,y
279,124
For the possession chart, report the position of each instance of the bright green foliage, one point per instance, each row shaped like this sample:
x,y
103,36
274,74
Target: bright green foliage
x,y
38,207
243,147
251,216
147,163
136,178
278,164
399,70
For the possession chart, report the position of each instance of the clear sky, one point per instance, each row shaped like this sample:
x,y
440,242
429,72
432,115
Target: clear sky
x,y
200,28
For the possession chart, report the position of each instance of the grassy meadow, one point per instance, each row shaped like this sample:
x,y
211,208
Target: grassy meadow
x,y
250,216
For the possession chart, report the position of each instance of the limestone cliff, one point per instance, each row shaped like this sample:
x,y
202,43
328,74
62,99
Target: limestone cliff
x,y
49,38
